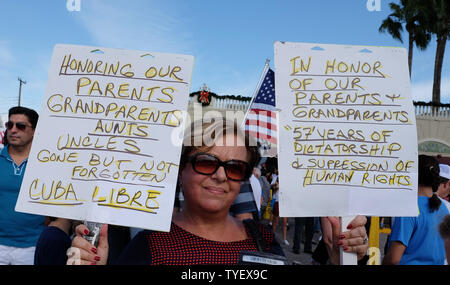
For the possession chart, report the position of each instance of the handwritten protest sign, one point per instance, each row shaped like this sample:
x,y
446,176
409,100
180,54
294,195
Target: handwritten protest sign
x,y
256,190
103,149
348,141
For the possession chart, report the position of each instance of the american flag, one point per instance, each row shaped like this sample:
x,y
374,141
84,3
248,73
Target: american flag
x,y
261,121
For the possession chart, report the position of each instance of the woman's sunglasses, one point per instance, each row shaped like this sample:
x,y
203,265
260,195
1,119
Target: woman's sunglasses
x,y
19,125
208,164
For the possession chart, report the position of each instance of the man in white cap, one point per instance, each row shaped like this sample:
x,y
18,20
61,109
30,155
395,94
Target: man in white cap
x,y
444,187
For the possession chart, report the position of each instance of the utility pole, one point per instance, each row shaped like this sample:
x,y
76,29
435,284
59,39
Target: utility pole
x,y
20,87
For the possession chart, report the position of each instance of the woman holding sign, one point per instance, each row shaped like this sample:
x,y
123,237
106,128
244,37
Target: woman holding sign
x,y
204,232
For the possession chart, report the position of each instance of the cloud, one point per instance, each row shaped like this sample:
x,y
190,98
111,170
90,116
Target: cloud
x,y
8,77
33,72
6,56
143,27
422,91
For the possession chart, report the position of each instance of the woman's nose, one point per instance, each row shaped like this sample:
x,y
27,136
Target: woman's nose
x,y
220,174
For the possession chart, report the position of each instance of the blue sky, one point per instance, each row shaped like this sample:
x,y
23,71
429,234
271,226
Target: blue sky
x,y
230,40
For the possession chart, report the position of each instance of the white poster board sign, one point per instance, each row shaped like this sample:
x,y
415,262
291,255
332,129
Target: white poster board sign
x,y
347,131
256,190
103,149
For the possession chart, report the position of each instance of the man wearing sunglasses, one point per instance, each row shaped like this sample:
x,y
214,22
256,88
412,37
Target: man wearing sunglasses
x,y
18,231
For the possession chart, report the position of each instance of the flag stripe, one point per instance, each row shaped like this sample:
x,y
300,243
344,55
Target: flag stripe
x,y
262,124
263,107
267,132
263,113
262,117
262,136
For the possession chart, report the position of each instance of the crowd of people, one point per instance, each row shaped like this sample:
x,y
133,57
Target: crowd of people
x,y
413,240
216,219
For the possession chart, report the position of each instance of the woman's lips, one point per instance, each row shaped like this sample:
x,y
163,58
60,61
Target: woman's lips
x,y
215,190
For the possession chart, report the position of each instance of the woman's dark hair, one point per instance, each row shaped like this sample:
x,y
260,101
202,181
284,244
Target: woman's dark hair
x,y
429,176
31,114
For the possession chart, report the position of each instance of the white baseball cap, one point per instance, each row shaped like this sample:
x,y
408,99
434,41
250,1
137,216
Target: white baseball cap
x,y
444,171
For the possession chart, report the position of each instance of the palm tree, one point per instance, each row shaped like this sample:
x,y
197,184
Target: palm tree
x,y
410,13
439,24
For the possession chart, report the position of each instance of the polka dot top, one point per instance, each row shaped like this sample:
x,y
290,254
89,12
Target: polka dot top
x,y
180,247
